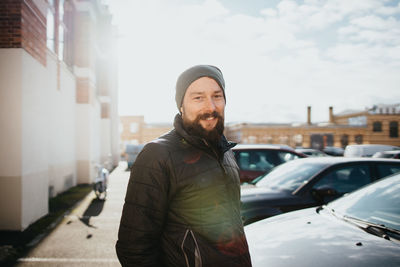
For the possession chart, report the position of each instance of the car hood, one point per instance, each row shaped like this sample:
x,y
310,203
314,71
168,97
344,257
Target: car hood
x,y
255,190
309,238
263,194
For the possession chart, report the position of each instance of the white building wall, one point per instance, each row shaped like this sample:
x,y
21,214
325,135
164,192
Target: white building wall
x,y
82,131
37,144
106,158
35,136
114,116
48,142
11,140
95,135
88,138
62,157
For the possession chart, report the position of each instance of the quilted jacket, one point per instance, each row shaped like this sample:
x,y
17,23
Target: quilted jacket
x,y
182,206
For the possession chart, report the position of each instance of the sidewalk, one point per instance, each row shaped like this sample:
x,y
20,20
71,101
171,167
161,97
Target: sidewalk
x,y
87,235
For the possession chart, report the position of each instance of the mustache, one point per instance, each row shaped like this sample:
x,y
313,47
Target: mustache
x,y
205,116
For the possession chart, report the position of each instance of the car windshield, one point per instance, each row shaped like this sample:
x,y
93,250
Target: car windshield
x,y
290,175
378,203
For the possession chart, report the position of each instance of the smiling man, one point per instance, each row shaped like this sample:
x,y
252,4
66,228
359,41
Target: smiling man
x,y
182,206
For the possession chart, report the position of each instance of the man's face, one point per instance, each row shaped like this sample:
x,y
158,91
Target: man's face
x,y
204,105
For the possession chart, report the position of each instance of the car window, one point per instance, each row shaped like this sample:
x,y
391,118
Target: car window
x,y
257,160
387,169
286,156
289,176
346,179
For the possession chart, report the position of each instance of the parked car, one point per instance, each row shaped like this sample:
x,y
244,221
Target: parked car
x,y
257,159
334,151
393,154
359,229
132,151
366,150
309,182
311,152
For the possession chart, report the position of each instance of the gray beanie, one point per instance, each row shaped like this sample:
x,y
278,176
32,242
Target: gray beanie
x,y
194,73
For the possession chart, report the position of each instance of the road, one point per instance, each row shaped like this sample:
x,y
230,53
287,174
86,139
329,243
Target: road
x,y
87,236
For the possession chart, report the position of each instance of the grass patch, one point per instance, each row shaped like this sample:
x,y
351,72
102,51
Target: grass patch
x,y
13,243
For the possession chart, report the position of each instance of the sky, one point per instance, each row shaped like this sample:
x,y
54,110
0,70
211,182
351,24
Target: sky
x,y
277,57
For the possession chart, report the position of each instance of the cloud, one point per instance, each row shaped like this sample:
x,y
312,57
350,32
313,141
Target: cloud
x,y
294,54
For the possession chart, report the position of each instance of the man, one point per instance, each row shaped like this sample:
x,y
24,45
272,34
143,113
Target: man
x,y
182,206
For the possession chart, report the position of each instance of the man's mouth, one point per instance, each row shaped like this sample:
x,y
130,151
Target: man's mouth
x,y
209,116
208,125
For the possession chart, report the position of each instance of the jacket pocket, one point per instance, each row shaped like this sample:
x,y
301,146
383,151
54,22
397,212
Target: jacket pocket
x,y
192,253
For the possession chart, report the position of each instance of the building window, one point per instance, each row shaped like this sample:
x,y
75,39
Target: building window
x,y
105,110
394,129
61,43
252,139
358,139
377,126
344,140
357,121
50,24
134,127
67,23
61,30
298,140
283,140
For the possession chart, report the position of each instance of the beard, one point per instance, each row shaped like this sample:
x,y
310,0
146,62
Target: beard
x,y
212,136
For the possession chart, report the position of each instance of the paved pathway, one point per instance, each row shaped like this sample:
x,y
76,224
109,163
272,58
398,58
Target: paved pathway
x,y
87,236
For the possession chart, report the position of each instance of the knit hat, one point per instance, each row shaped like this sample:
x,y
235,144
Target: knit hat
x,y
194,73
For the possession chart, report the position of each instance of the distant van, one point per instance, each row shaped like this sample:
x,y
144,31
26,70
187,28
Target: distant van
x,y
131,152
366,150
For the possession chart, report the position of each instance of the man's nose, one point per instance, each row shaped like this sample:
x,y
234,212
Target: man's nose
x,y
210,105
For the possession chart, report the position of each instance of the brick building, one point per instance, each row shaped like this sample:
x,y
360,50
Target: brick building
x,y
376,125
58,101
134,130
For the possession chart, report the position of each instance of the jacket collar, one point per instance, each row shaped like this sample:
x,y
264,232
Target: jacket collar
x,y
223,146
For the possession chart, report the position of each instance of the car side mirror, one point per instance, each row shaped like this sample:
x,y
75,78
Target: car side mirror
x,y
323,193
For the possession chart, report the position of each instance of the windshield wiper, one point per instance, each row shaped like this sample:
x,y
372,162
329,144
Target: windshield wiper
x,y
376,229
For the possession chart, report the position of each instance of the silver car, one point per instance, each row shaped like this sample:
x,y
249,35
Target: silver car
x,y
359,229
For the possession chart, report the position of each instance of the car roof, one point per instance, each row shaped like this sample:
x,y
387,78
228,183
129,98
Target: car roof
x,y
262,146
335,160
372,145
307,149
390,152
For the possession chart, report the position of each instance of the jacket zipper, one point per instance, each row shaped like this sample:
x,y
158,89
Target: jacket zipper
x,y
197,255
216,156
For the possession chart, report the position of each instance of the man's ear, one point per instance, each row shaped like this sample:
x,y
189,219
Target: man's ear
x,y
181,109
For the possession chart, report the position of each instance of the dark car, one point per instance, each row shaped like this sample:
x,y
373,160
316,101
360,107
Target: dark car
x,y
393,154
334,151
359,229
311,152
309,182
257,159
132,151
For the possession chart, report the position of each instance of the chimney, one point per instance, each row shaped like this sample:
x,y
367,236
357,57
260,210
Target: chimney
x,y
331,119
309,115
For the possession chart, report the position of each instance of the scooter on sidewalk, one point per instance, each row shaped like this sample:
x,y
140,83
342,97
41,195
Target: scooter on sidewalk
x,y
100,182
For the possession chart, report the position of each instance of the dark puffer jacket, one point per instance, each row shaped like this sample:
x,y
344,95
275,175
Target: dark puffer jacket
x,y
182,206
